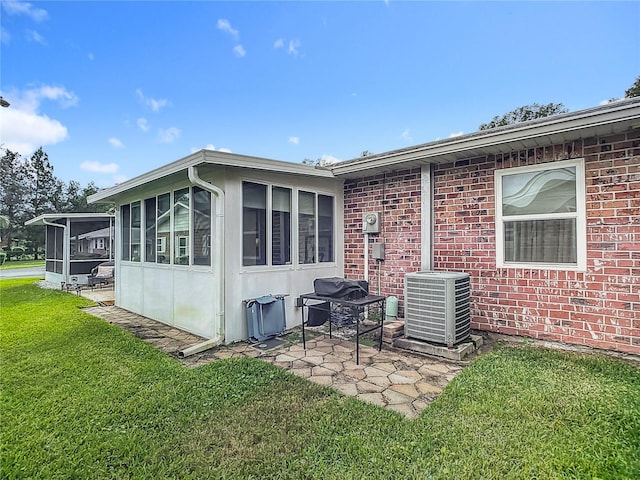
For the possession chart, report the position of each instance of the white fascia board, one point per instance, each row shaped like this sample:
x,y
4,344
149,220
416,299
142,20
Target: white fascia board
x,y
211,157
441,151
265,164
52,217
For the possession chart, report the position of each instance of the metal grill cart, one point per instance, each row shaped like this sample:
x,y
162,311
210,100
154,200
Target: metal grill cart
x,y
319,311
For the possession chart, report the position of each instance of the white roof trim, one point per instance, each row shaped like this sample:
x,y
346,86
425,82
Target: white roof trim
x,y
594,121
52,217
211,157
441,151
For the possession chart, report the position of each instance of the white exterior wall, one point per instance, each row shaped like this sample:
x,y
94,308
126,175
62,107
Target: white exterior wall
x,y
177,295
243,283
183,296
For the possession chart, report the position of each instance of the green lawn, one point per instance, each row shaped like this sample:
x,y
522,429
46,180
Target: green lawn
x,y
21,264
82,398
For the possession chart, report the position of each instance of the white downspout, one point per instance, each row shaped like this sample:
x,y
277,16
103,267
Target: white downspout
x,y
218,261
366,257
64,240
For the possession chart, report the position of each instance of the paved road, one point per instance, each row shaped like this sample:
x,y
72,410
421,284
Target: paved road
x,y
22,272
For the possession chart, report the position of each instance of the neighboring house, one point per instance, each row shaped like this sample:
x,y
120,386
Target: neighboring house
x,y
92,244
543,215
75,243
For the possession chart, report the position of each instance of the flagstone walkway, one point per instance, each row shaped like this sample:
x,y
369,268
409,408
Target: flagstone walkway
x,y
393,379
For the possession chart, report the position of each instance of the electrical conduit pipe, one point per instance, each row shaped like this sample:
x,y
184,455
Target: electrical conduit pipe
x,y
218,261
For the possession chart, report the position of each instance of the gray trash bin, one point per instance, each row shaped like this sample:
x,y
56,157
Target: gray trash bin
x,y
266,317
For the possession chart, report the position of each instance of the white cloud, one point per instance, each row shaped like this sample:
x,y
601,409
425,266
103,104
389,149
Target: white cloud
x,y
225,150
226,27
207,147
5,37
120,178
34,36
24,132
31,99
328,160
98,167
239,51
24,8
406,135
154,104
294,48
143,124
24,128
116,142
456,134
168,135
294,140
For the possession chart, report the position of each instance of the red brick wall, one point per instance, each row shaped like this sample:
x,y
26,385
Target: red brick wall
x,y
397,196
599,307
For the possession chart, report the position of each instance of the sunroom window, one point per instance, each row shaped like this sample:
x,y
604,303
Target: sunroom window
x,y
201,226
135,232
148,228
181,226
315,228
306,227
125,230
268,216
540,215
163,229
280,226
254,224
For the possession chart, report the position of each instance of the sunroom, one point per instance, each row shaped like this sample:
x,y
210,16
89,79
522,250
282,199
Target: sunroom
x,y
198,238
75,243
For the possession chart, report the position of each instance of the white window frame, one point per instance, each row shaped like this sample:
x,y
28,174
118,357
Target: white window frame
x,y
580,216
161,245
183,245
294,227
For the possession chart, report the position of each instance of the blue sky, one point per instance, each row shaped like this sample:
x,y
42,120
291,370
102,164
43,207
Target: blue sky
x,y
114,89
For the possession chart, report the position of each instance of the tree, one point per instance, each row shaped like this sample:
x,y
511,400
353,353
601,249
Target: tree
x,y
42,186
28,189
633,90
4,223
42,183
13,190
525,113
75,198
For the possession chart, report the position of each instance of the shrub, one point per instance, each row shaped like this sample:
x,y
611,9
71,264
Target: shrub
x,y
16,252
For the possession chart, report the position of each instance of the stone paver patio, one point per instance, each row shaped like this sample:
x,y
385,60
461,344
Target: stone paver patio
x,y
399,381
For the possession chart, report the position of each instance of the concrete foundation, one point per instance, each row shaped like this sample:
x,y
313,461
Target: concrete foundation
x,y
457,352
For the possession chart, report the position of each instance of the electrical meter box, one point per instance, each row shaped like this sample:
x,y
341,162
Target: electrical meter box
x,y
371,222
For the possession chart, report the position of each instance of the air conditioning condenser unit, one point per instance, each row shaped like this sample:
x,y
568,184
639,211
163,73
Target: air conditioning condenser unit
x,y
437,307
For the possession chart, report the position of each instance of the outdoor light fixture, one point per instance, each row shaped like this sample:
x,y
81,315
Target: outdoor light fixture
x,y
3,102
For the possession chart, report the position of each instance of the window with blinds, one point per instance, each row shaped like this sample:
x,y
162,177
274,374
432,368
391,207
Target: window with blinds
x,y
540,215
